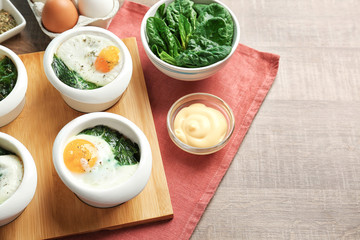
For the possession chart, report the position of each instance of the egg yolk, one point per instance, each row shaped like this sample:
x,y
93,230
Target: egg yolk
x,y
80,155
107,59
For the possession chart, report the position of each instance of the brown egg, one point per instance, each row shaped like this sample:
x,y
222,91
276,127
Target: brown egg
x,y
59,15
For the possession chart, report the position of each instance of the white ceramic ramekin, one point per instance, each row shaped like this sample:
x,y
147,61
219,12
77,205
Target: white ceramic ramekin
x,y
182,73
15,205
12,105
90,100
113,196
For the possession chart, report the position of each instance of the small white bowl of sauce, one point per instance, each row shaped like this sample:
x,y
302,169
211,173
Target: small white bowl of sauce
x,y
200,123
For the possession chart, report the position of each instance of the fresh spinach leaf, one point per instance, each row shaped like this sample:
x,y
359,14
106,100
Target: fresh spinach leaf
x,y
216,23
198,42
202,52
70,77
200,58
125,151
199,7
153,28
216,30
160,35
167,58
160,12
177,8
185,30
8,77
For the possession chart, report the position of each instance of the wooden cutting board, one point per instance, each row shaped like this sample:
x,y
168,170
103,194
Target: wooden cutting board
x,y
55,211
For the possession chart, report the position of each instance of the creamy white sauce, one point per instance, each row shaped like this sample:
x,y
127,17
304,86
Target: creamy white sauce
x,y
11,175
200,126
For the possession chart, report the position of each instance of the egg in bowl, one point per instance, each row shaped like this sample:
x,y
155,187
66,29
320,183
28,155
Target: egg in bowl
x,y
101,157
93,183
95,59
98,50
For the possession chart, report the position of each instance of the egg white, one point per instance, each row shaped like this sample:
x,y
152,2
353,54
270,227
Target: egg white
x,y
79,54
11,174
106,172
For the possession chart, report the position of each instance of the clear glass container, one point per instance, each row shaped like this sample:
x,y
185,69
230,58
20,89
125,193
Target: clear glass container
x,y
208,100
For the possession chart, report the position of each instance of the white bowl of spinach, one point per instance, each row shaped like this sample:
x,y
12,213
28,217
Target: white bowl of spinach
x,y
13,85
101,186
189,39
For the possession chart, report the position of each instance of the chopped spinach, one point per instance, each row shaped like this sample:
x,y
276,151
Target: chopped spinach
x,y
125,151
8,77
190,35
70,77
5,152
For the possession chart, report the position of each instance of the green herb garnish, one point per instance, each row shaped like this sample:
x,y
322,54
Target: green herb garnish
x,y
190,35
8,77
7,21
125,151
70,77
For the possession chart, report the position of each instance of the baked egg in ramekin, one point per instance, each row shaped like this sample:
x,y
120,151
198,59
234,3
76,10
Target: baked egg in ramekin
x,y
18,178
104,158
90,67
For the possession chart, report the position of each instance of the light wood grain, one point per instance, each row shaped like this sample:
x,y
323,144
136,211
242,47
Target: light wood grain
x,y
296,174
55,211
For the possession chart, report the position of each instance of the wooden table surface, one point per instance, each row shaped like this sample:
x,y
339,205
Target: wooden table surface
x,y
297,172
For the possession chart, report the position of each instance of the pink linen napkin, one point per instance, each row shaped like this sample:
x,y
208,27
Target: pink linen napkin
x,y
193,180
